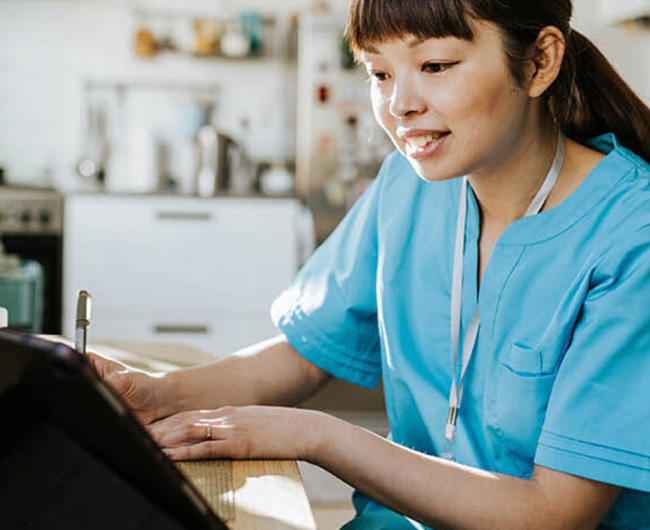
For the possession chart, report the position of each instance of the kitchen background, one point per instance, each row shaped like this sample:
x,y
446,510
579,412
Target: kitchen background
x,y
180,160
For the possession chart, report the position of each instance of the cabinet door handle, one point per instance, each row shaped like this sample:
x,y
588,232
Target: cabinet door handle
x,y
171,328
184,216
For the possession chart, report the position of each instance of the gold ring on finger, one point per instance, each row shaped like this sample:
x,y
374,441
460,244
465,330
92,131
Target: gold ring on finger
x,y
208,432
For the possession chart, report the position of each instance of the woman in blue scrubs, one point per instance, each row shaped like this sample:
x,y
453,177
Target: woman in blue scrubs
x,y
496,276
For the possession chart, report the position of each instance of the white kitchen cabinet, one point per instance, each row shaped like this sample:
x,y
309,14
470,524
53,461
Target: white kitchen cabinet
x,y
202,272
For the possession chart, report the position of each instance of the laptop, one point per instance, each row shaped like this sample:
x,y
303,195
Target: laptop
x,y
72,454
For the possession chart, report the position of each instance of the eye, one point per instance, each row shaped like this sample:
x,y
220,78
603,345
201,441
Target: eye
x,y
377,76
436,68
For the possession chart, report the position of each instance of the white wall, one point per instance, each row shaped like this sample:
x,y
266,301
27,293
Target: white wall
x,y
627,47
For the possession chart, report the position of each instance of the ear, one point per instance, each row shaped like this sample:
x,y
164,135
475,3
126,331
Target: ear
x,y
546,60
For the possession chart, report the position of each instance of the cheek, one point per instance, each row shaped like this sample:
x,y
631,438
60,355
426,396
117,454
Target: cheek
x,y
490,103
381,108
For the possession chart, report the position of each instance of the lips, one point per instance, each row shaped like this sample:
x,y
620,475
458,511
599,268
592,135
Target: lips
x,y
422,144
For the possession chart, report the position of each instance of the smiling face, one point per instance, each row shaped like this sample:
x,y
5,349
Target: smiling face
x,y
450,105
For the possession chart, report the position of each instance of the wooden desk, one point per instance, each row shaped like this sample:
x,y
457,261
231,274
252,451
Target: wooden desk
x,y
269,494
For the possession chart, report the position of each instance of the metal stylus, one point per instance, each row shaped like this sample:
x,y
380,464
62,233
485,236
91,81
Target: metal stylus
x,y
83,320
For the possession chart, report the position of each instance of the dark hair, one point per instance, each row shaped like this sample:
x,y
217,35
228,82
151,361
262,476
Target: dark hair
x,y
587,99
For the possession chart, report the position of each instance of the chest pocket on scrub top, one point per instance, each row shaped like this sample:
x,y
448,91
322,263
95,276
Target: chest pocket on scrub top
x,y
522,394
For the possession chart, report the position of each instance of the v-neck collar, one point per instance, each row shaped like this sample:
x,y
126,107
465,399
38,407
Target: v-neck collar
x,y
596,186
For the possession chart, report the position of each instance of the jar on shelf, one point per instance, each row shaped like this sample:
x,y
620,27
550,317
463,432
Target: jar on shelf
x,y
206,36
145,43
235,41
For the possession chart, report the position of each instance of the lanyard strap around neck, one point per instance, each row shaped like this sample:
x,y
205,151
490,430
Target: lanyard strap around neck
x,y
456,393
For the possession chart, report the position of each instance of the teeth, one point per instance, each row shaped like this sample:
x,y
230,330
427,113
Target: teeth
x,y
421,141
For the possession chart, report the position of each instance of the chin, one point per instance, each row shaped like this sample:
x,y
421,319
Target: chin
x,y
433,171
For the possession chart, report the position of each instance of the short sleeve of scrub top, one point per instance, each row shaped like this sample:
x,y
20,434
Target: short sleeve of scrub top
x,y
598,420
329,314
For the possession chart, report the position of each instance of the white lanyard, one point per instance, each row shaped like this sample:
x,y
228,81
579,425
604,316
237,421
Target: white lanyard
x,y
456,393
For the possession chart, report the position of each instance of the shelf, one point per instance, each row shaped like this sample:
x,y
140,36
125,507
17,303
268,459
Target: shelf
x,y
186,56
169,15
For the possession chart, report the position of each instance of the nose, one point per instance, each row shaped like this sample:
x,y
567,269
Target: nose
x,y
405,100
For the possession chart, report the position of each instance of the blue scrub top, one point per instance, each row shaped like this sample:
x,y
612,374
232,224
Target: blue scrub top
x,y
561,372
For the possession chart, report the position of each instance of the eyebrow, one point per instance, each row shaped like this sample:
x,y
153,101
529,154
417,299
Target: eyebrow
x,y
415,41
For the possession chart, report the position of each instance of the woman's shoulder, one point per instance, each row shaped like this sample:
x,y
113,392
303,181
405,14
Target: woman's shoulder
x,y
621,176
608,145
604,205
625,210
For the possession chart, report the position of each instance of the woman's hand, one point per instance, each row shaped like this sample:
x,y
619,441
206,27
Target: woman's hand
x,y
240,433
142,392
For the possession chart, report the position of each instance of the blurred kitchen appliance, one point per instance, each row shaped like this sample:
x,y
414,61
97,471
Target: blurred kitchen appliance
x,y
31,226
207,180
150,129
21,292
91,166
222,164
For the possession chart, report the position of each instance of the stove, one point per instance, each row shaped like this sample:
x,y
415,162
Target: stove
x,y
31,226
30,211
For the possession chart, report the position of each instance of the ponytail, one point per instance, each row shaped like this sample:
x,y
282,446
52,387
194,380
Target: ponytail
x,y
589,98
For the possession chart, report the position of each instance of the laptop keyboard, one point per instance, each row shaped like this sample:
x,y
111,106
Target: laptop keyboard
x,y
213,479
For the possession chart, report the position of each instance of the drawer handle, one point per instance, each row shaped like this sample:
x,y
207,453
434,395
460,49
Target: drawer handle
x,y
184,216
181,329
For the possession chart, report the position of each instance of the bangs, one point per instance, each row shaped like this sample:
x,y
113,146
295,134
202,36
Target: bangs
x,y
372,21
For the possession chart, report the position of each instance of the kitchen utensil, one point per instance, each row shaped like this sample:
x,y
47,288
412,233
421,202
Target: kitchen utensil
x,y
235,42
251,23
277,180
186,117
143,174
92,163
206,185
241,170
219,157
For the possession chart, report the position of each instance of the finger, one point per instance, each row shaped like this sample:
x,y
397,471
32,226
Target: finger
x,y
98,363
190,433
202,451
102,365
191,416
161,427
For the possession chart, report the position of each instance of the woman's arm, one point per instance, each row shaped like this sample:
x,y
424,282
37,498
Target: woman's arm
x,y
436,492
446,495
269,373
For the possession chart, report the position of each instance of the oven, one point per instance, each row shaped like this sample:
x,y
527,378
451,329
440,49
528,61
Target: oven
x,y
31,226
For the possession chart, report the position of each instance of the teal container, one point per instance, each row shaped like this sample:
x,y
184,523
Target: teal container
x,y
21,293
